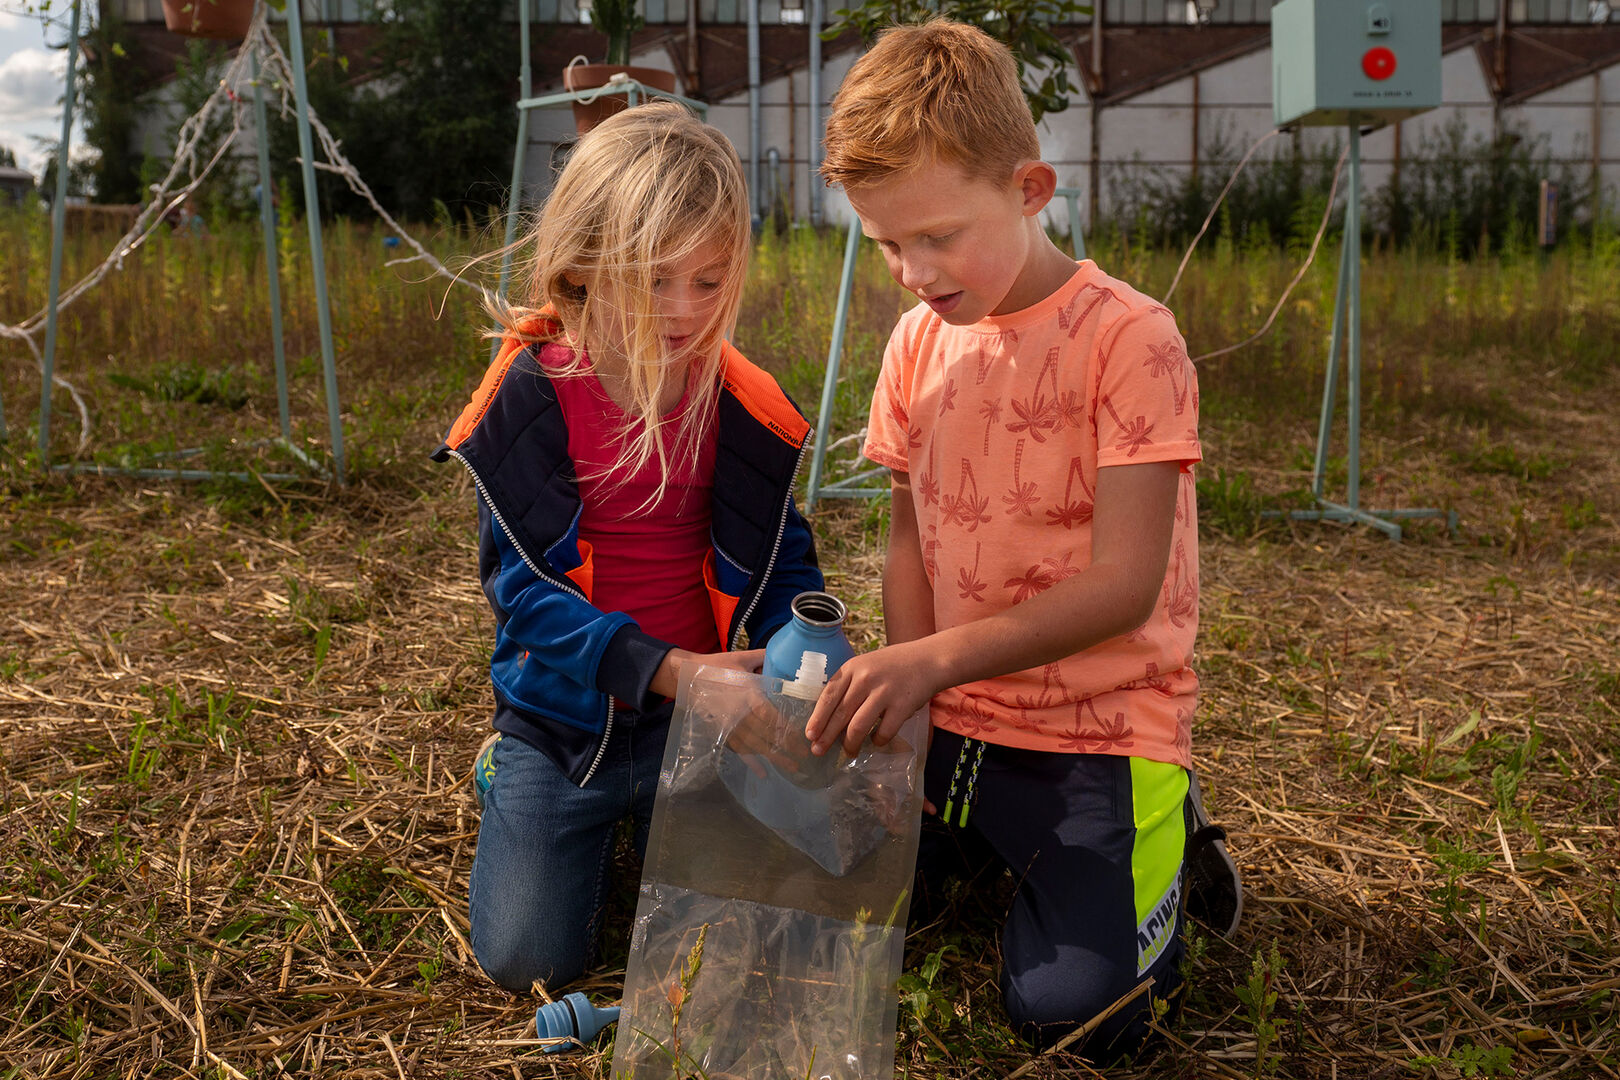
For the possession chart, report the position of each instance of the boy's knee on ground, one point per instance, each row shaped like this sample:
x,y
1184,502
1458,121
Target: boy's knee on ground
x,y
1046,1005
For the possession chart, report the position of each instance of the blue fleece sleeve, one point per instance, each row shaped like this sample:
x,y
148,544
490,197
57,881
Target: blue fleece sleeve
x,y
603,651
796,571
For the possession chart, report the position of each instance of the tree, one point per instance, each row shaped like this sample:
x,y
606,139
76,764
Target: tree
x,y
434,127
8,157
453,115
1024,26
107,106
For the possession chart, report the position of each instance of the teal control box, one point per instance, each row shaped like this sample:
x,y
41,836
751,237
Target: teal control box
x,y
1334,61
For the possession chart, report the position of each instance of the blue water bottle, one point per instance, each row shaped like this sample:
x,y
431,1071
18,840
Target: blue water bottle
x,y
812,646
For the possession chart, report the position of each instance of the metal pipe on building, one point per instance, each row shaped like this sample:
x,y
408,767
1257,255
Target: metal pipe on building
x,y
1097,87
693,64
814,191
754,130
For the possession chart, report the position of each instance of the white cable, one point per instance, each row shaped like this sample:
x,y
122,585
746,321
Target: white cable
x,y
1230,180
166,197
1327,214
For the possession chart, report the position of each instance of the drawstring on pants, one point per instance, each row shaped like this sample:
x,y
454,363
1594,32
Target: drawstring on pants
x,y
956,776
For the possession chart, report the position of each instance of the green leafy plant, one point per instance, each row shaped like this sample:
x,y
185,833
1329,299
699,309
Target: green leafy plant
x,y
618,20
1025,26
1471,1060
1259,998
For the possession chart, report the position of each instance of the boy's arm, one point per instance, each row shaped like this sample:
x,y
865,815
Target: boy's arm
x,y
908,599
1135,512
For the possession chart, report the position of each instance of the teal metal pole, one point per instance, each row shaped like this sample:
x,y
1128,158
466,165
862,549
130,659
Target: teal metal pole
x,y
312,210
1330,381
272,268
835,350
1071,198
514,196
1352,240
58,217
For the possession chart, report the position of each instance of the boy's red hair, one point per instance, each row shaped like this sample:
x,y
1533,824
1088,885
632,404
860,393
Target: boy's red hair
x,y
939,91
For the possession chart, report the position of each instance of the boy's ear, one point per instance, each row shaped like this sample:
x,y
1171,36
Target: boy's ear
x,y
1037,183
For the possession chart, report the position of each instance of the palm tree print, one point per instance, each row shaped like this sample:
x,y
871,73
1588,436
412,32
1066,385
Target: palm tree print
x,y
1134,435
991,411
968,585
1021,496
1051,675
987,357
1040,577
947,397
1110,731
1073,511
1152,680
928,488
1039,413
967,507
1170,359
970,716
1180,595
930,553
1068,320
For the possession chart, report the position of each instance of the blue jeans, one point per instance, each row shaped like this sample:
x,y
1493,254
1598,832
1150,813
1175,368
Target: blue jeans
x,y
540,876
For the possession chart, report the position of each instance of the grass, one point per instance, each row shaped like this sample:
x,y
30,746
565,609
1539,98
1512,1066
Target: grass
x,y
236,719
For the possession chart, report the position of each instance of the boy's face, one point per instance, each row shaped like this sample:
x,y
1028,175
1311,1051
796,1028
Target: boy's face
x,y
964,246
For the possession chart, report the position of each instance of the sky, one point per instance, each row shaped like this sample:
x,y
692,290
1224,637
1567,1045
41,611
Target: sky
x,y
31,82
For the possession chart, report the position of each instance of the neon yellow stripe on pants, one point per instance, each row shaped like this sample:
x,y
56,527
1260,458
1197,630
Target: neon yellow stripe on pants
x,y
1158,795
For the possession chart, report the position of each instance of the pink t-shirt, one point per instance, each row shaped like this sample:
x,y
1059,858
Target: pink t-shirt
x,y
647,563
1003,426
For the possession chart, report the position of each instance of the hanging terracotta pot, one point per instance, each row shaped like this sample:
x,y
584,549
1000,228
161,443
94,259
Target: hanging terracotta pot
x,y
587,114
208,18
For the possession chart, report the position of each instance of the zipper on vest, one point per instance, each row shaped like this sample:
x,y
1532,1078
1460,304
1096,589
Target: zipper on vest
x,y
776,549
564,586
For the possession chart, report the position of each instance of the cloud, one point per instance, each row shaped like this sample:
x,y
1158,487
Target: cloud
x,y
31,85
30,96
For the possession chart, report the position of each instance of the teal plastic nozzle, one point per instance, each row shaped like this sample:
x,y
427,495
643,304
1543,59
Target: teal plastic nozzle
x,y
572,1017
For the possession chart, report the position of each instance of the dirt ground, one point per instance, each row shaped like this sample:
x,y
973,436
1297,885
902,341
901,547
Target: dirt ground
x,y
236,728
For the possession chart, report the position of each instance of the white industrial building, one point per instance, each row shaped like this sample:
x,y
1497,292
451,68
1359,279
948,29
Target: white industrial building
x,y
1164,82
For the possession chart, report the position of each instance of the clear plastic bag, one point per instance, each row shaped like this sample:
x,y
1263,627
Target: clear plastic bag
x,y
771,923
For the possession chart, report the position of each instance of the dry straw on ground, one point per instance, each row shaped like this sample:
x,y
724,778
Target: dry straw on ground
x,y
236,731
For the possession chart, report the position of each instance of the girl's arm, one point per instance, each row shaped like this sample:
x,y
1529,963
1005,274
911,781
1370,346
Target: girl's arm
x,y
1135,514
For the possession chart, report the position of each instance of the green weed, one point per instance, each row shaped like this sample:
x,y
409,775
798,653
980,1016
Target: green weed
x,y
1229,504
1259,999
1469,1059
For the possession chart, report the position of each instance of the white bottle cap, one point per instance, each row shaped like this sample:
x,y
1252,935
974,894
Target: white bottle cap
x,y
811,678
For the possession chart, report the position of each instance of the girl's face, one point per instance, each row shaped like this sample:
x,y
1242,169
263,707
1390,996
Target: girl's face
x,y
687,294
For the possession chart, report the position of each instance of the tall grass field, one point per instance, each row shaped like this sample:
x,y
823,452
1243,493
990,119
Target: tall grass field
x,y
237,716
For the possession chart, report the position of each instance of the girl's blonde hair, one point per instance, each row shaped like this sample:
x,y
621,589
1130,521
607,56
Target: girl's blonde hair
x,y
645,188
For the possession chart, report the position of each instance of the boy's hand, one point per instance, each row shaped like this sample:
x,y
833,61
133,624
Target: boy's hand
x,y
873,694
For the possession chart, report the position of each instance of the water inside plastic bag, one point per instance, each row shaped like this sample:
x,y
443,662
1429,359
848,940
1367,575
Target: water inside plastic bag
x,y
771,923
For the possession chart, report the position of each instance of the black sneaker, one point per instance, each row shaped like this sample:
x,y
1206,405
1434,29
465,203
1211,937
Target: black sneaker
x,y
1214,887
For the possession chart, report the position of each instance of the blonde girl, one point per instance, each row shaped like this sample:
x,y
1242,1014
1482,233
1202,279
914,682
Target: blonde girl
x,y
636,515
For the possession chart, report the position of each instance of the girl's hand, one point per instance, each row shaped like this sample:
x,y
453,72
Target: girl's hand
x,y
873,694
668,678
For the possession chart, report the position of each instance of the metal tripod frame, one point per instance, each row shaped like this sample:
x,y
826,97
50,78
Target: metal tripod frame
x,y
1347,331
312,212
855,486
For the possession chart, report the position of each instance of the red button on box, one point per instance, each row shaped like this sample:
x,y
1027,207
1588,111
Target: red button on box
x,y
1378,64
